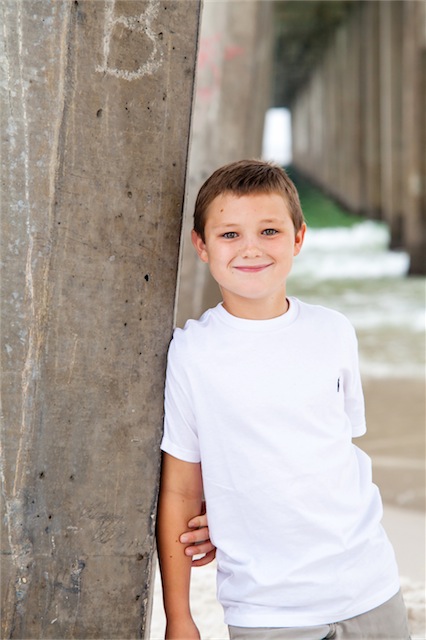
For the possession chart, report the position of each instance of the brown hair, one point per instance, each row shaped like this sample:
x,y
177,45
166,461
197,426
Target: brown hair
x,y
246,177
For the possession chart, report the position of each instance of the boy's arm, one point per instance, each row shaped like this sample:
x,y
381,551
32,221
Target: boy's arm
x,y
179,501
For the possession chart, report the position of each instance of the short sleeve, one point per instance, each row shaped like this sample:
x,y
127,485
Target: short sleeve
x,y
354,397
180,438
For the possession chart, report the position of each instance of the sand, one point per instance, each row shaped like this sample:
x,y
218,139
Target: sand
x,y
396,443
395,439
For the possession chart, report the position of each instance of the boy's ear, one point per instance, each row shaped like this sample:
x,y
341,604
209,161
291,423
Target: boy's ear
x,y
200,246
298,240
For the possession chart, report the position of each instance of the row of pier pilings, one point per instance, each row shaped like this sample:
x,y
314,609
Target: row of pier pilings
x,y
359,123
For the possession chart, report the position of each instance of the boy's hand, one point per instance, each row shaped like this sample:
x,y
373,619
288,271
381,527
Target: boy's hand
x,y
200,538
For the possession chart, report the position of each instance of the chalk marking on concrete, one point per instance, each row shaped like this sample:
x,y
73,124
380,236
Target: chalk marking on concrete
x,y
19,543
140,24
72,361
20,546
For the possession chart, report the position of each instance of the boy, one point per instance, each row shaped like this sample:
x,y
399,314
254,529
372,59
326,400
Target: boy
x,y
263,397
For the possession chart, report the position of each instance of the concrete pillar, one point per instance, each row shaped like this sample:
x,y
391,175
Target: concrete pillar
x,y
370,165
326,118
96,110
300,131
233,93
330,159
352,114
390,82
341,151
413,132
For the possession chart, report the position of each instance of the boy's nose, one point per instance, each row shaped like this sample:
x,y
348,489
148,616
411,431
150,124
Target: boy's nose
x,y
251,250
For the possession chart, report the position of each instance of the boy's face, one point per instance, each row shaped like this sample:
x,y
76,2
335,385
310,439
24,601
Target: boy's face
x,y
249,245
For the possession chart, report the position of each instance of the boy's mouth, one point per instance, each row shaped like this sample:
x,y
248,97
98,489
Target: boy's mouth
x,y
252,268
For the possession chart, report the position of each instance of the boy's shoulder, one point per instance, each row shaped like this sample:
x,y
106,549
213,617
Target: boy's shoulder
x,y
193,331
193,325
323,318
318,310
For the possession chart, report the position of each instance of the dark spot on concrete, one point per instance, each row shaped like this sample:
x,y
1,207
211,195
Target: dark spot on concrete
x,y
137,597
41,475
71,478
129,194
140,556
146,276
99,113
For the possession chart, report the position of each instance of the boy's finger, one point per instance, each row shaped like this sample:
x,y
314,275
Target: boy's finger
x,y
205,547
198,521
198,549
199,535
201,562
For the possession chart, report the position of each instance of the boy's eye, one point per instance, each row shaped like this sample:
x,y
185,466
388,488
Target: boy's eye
x,y
229,235
269,232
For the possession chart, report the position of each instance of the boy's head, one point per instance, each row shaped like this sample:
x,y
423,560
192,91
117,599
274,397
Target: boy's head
x,y
246,177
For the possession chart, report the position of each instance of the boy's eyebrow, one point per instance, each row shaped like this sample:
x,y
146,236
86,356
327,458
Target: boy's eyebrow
x,y
226,225
271,221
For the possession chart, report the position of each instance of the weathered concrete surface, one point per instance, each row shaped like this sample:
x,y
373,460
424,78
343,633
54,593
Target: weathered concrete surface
x,y
414,132
359,123
232,96
96,103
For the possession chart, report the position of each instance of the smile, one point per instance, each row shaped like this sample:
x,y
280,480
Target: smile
x,y
252,269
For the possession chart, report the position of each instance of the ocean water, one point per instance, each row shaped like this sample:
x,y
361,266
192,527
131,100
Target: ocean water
x,y
353,271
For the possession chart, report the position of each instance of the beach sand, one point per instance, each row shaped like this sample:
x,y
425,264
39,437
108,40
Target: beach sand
x,y
395,439
396,443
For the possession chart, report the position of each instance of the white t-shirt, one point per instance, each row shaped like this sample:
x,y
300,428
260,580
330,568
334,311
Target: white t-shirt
x,y
270,407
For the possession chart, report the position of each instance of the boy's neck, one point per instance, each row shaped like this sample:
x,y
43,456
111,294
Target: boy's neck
x,y
256,309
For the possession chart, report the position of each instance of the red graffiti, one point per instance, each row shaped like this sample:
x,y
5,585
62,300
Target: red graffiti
x,y
212,55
